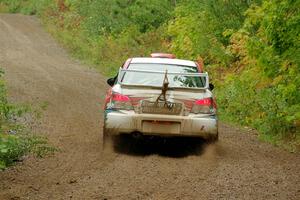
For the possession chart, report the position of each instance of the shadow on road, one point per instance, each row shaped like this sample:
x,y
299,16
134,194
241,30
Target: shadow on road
x,y
169,147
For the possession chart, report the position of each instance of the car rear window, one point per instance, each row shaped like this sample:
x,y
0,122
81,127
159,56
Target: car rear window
x,y
156,79
163,67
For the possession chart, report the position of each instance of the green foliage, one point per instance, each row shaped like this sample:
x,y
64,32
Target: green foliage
x,y
202,29
15,140
275,35
259,45
95,30
14,147
29,7
269,87
113,16
106,39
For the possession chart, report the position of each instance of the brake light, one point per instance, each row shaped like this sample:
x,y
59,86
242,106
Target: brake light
x,y
205,106
204,102
119,97
120,102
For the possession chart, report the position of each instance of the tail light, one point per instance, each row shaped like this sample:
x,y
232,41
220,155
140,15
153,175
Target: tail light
x,y
205,106
120,102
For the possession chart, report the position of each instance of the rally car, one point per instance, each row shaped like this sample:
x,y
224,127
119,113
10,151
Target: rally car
x,y
160,96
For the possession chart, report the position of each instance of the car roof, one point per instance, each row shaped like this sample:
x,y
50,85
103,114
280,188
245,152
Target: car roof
x,y
164,61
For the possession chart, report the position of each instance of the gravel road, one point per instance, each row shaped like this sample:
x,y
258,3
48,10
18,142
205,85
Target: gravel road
x,y
39,71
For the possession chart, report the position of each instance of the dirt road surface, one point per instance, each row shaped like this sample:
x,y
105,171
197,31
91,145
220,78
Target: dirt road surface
x,y
39,71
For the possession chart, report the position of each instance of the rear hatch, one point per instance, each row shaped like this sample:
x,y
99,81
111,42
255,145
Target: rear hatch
x,y
157,92
177,102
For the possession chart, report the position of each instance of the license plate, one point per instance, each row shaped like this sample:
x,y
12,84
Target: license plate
x,y
150,128
169,108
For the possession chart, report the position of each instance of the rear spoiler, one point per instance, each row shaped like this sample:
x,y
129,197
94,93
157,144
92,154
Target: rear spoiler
x,y
123,71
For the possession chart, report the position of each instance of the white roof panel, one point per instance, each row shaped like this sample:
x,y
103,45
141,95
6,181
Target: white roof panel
x,y
164,61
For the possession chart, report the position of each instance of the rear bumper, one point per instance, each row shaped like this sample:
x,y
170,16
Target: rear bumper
x,y
162,125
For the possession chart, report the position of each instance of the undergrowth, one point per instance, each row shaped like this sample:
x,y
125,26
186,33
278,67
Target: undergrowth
x,y
16,140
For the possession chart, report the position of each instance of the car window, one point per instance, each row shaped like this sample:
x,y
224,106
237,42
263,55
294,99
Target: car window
x,y
156,79
163,67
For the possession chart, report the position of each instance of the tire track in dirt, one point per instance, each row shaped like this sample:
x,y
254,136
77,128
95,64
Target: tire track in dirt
x,y
38,70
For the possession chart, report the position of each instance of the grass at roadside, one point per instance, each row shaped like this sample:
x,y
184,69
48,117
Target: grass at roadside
x,y
16,140
290,143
